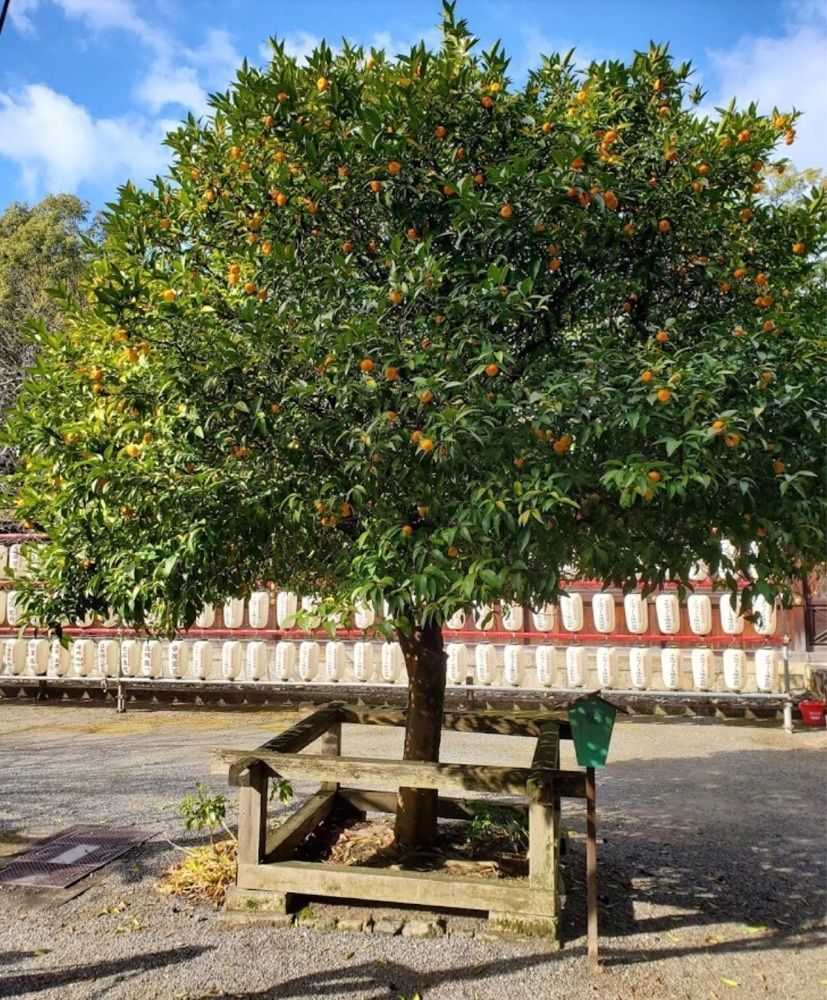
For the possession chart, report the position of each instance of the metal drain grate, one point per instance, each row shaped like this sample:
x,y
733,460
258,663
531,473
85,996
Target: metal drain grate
x,y
59,862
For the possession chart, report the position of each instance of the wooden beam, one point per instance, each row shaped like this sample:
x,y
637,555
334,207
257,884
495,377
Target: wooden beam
x,y
546,760
282,841
543,818
418,888
383,773
296,738
448,807
252,815
504,723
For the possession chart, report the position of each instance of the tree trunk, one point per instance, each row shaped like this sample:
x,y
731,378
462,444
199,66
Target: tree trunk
x,y
425,662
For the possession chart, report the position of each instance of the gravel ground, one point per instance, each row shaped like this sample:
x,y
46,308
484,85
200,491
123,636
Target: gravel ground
x,y
711,861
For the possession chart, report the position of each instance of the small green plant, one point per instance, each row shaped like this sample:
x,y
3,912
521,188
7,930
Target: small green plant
x,y
496,822
204,810
281,789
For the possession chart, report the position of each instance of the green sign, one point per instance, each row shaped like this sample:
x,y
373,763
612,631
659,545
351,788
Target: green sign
x,y
592,721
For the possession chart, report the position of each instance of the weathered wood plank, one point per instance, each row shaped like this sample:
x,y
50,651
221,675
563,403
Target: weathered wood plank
x,y
296,738
504,723
448,807
543,816
418,888
252,815
282,841
383,773
546,759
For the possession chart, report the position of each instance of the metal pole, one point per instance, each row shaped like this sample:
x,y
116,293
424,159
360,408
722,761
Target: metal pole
x,y
788,703
591,869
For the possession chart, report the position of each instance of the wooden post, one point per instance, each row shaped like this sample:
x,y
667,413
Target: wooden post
x,y
252,815
332,747
591,868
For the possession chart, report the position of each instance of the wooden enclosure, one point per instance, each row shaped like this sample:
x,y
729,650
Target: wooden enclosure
x,y
268,876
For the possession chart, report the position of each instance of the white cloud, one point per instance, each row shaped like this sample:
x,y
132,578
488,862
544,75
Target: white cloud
x,y
97,15
58,145
785,71
300,44
20,15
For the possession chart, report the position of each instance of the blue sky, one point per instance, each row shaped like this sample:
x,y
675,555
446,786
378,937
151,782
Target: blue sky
x,y
88,87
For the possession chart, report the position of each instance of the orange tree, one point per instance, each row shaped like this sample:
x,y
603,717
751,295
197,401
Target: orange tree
x,y
397,332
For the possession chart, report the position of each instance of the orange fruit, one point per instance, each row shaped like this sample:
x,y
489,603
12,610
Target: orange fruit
x,y
376,186
281,96
745,135
266,247
739,273
725,287
487,102
407,530
663,110
646,376
779,467
746,214
426,444
664,226
799,248
440,132
648,494
322,84
132,450
717,426
169,295
416,436
479,180
554,264
664,395
768,325
578,163
412,234
249,287
422,510
662,336
447,190
761,279
426,396
732,440
610,200
268,121
347,246
366,364
391,414
391,373
506,212
394,168
654,476
492,370
519,462
395,296
453,551
164,223
738,331
281,199
547,127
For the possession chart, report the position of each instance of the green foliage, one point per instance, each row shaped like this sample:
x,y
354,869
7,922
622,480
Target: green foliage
x,y
568,333
499,822
281,789
202,809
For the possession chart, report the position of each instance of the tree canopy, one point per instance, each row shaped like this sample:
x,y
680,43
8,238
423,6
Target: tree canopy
x,y
401,330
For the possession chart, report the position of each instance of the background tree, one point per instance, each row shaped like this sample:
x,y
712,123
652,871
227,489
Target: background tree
x,y
40,248
397,332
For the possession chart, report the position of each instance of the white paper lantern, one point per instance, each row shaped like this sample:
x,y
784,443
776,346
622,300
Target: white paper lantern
x,y
766,669
230,660
110,619
484,617
202,659
2,607
14,656
363,661
765,622
107,654
364,616
310,605
4,561
485,663
17,560
456,621
207,617
512,615
392,662
12,609
576,672
233,612
285,660
640,667
603,613
699,613
130,657
703,668
287,604
544,619
513,664
670,668
732,621
258,609
544,664
606,661
636,613
59,661
37,657
151,658
571,612
82,652
457,662
335,659
178,659
308,660
256,656
735,668
699,572
668,610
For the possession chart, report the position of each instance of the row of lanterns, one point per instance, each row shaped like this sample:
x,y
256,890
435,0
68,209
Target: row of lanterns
x,y
371,662
571,612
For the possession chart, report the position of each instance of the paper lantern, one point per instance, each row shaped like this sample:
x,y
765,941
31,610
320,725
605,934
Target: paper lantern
x,y
14,656
285,660
12,609
544,618
2,607
233,612
256,660
17,560
107,655
82,652
230,659
484,617
668,611
512,615
456,621
207,617
4,561
571,612
732,621
258,609
457,662
178,659
699,572
766,669
699,613
485,663
670,668
364,616
362,661
130,658
640,667
287,605
392,662
765,622
606,662
703,668
37,657
603,613
513,664
202,659
576,672
151,658
335,660
636,613
735,668
58,660
308,660
544,665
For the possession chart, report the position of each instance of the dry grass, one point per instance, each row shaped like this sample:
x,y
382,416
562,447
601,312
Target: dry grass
x,y
205,873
